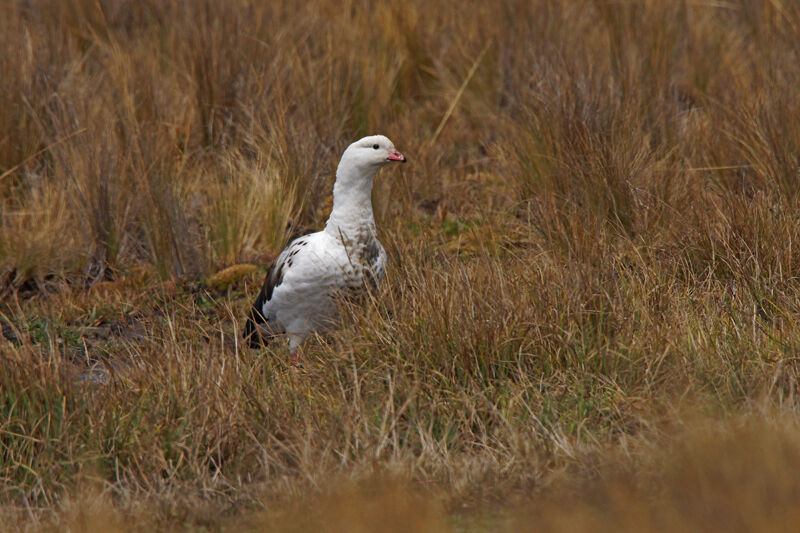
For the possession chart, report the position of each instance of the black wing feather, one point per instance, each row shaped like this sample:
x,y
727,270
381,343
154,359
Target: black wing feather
x,y
258,330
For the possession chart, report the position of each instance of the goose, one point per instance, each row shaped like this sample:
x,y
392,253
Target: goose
x,y
299,294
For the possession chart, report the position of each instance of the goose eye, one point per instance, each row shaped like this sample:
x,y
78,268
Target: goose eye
x,y
375,146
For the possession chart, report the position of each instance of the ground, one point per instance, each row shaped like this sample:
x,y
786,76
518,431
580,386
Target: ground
x,y
590,314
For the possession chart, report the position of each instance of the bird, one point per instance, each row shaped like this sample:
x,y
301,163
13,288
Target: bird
x,y
299,295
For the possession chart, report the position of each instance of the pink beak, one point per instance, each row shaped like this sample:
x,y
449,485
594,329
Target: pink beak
x,y
394,155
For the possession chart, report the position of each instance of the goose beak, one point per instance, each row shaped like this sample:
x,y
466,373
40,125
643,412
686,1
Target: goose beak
x,y
394,155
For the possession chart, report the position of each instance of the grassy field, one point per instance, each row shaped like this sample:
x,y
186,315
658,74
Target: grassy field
x,y
590,320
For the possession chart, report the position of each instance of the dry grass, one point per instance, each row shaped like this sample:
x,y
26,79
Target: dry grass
x,y
590,320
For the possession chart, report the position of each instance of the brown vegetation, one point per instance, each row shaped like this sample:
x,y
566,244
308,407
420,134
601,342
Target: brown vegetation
x,y
590,316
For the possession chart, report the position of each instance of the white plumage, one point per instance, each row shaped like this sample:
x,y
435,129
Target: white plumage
x,y
298,297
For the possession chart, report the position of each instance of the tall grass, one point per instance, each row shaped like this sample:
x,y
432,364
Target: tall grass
x,y
592,255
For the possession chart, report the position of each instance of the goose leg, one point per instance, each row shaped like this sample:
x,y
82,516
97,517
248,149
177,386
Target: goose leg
x,y
295,350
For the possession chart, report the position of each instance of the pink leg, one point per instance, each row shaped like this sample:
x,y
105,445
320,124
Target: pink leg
x,y
295,351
